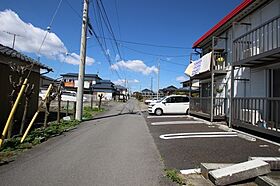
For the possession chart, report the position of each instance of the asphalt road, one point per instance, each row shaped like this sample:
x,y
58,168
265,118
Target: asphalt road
x,y
188,153
116,148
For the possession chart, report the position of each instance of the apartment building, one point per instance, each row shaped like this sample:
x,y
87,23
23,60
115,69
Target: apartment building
x,y
239,68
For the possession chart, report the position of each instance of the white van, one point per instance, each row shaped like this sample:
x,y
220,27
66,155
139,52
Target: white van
x,y
174,104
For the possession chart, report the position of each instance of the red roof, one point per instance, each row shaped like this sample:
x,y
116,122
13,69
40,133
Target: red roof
x,y
233,13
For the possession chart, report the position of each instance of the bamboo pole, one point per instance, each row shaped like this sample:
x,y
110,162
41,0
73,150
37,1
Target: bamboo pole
x,y
13,111
36,114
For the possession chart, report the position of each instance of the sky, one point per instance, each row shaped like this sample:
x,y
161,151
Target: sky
x,y
149,34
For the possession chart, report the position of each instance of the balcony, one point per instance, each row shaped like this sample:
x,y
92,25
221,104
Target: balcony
x,y
217,65
259,114
258,47
201,106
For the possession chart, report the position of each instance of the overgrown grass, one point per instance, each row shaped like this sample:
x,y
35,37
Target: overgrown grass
x,y
89,112
12,146
175,176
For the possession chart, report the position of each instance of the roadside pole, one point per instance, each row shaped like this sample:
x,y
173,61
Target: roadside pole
x,y
80,90
158,79
152,88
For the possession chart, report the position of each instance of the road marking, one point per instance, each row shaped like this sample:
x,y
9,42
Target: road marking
x,y
171,116
198,135
190,171
176,122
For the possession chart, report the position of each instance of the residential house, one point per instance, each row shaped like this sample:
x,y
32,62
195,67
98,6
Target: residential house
x,y
10,56
238,71
190,88
104,88
71,81
45,81
121,93
147,93
168,90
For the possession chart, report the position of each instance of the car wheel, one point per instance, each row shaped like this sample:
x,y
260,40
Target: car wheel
x,y
158,112
187,112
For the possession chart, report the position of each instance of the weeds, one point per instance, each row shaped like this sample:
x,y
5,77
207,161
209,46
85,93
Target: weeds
x,y
89,112
12,146
174,175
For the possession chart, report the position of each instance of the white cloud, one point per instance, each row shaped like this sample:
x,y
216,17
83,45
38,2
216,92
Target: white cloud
x,y
136,66
117,58
74,59
108,52
30,38
133,81
181,78
122,81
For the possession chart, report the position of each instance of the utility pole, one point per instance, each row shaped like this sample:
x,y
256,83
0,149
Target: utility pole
x,y
158,78
80,90
14,37
152,87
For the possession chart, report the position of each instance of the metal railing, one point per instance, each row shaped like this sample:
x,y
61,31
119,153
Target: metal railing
x,y
219,61
259,112
259,40
203,105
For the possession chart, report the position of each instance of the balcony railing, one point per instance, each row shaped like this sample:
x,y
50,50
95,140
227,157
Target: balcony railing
x,y
202,106
257,41
219,61
260,113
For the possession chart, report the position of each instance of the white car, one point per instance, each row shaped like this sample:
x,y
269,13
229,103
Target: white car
x,y
174,104
152,103
66,96
148,101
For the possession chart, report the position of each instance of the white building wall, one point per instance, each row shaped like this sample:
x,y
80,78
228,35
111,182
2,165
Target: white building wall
x,y
253,82
257,86
258,83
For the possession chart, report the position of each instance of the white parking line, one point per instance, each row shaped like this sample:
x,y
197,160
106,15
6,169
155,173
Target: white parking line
x,y
191,171
176,122
198,135
168,116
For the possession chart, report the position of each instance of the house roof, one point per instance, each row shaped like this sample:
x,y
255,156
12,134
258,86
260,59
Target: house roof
x,y
47,78
170,88
227,18
76,75
146,90
105,82
119,87
9,52
102,86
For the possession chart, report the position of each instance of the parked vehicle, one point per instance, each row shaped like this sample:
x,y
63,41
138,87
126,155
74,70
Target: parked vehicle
x,y
148,101
172,104
152,103
66,96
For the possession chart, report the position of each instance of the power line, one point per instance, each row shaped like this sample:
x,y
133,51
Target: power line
x,y
104,16
47,31
109,27
105,53
153,54
100,27
77,13
150,44
173,62
118,18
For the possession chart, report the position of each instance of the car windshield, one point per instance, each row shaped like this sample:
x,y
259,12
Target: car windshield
x,y
160,99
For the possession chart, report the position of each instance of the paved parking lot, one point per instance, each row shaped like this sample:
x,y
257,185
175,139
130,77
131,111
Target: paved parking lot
x,y
184,142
